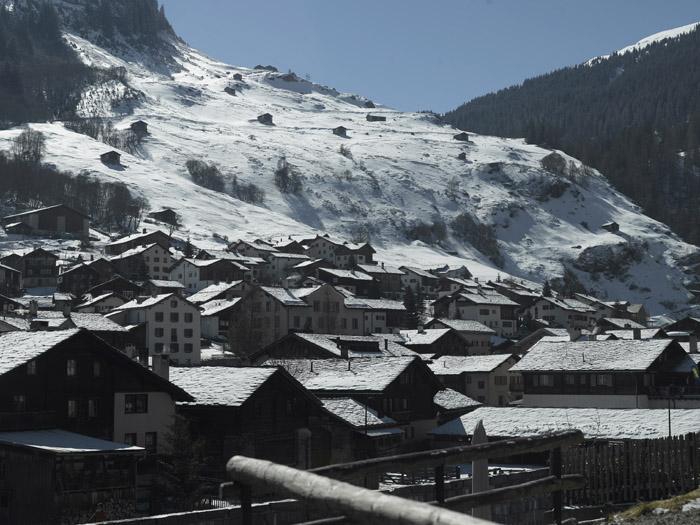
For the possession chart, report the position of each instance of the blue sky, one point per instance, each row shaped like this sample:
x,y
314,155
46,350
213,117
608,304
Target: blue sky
x,y
418,55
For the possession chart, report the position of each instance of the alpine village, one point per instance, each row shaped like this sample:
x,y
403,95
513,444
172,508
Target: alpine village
x,y
235,296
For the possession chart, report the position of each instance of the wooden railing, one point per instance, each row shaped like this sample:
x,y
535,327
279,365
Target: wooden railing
x,y
327,489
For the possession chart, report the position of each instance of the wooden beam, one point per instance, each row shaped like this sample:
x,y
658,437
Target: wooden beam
x,y
336,497
524,490
456,455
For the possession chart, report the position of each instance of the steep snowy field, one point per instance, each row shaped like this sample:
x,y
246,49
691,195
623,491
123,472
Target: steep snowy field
x,y
391,175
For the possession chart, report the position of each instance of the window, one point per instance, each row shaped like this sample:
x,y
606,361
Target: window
x,y
159,317
159,348
317,306
151,442
173,334
188,332
469,380
156,269
96,368
544,380
19,402
130,439
354,324
92,407
603,379
136,403
173,304
483,311
159,332
174,348
500,380
480,385
72,408
31,368
297,321
569,379
71,367
343,323
188,348
174,317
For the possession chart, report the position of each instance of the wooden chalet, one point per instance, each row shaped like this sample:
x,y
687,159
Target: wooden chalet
x,y
341,131
53,220
165,215
9,305
111,157
78,279
388,277
462,136
359,283
476,335
451,404
139,127
137,239
10,280
265,118
117,284
197,274
434,342
375,118
217,316
612,227
39,269
237,76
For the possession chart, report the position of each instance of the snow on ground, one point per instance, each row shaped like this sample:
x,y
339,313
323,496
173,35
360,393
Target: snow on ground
x,y
388,176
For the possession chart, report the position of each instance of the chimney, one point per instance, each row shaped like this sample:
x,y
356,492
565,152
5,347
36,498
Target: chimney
x,y
143,358
33,308
386,344
593,337
574,333
636,333
382,265
312,366
420,328
144,230
161,366
348,364
66,310
693,342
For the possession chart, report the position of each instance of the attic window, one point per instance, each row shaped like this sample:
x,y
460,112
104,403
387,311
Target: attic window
x,y
31,368
71,367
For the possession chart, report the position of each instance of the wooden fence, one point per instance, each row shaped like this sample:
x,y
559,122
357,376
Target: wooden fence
x,y
634,470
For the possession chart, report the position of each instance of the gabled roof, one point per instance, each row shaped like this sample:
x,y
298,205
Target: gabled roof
x,y
135,251
340,375
486,297
288,296
621,323
203,263
218,305
464,325
377,304
94,300
379,268
418,271
570,304
162,283
347,274
449,365
148,302
329,343
645,333
59,441
47,208
354,413
424,337
449,399
210,292
593,356
8,268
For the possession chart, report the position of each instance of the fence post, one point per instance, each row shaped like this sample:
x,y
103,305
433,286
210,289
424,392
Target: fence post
x,y
440,484
246,505
555,470
480,472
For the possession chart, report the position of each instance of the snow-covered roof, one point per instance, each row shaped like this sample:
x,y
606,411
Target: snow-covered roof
x,y
418,271
95,322
17,322
449,399
355,413
133,251
569,304
644,333
595,423
278,255
217,305
64,442
348,274
599,356
622,323
379,268
424,337
341,375
207,294
448,365
163,283
487,298
17,348
58,296
143,302
385,346
132,237
220,385
465,325
94,300
377,304
287,296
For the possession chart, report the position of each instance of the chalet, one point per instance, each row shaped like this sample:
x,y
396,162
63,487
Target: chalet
x,y
321,247
604,308
107,473
454,272
421,281
265,118
451,404
688,324
13,260
162,286
252,248
434,342
388,277
605,374
381,315
150,261
400,387
216,317
18,228
104,267
139,127
111,157
348,255
358,283
462,136
10,280
476,335
612,227
63,302
197,274
520,293
117,284
231,91
165,215
73,380
341,131
616,323
485,378
237,76
562,312
173,326
278,264
461,156
39,269
375,118
101,304
484,305
77,279
259,412
289,246
8,305
216,292
330,346
137,239
306,268
53,220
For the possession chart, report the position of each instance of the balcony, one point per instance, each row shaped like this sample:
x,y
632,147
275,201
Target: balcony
x,y
674,392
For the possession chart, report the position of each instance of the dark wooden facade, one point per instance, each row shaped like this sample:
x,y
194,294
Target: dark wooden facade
x,y
111,157
78,280
58,219
133,241
265,118
39,269
118,284
375,118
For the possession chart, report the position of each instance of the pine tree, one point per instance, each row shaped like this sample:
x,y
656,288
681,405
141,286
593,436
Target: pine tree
x,y
412,318
188,250
547,289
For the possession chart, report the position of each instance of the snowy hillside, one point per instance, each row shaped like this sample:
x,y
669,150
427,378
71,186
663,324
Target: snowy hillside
x,y
389,176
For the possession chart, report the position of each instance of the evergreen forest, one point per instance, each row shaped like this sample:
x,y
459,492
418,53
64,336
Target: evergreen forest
x,y
635,117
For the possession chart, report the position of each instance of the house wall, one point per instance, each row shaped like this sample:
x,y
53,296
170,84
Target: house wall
x,y
489,314
588,401
173,326
161,409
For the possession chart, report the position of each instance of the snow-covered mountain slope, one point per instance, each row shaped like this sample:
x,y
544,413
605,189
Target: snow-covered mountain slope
x,y
647,41
388,176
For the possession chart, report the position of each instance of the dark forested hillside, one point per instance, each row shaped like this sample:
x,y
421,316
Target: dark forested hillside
x,y
633,116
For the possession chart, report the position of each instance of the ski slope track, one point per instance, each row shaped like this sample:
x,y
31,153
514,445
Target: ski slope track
x,y
397,173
